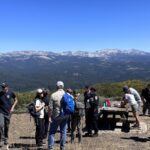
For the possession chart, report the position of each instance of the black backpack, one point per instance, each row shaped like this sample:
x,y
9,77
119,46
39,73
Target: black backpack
x,y
32,110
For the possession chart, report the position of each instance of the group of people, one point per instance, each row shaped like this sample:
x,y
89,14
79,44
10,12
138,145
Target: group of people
x,y
52,112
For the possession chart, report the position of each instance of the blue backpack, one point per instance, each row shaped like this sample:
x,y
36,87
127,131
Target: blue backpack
x,y
68,104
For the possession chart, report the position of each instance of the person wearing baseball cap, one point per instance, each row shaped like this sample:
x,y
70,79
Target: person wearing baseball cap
x,y
60,84
8,101
55,118
4,85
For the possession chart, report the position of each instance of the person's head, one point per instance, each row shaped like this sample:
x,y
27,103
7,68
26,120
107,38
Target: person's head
x,y
60,85
92,89
4,86
69,90
148,86
76,94
39,93
45,92
125,89
87,88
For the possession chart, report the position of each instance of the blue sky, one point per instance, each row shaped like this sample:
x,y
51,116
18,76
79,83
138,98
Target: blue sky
x,y
61,25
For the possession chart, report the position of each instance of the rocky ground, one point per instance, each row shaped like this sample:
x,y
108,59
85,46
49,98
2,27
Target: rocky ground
x,y
22,132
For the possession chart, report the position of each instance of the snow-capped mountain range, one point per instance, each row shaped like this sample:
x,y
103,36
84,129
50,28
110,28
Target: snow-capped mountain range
x,y
27,70
105,54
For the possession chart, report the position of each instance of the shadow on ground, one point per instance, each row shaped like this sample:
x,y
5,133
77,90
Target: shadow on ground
x,y
137,139
25,146
26,137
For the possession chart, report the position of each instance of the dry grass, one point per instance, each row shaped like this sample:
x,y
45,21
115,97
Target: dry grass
x,y
22,132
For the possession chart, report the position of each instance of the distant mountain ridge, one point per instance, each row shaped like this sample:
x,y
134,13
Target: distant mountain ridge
x,y
26,70
104,53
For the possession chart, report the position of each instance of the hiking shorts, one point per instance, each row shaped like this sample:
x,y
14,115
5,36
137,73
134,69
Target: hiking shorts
x,y
134,108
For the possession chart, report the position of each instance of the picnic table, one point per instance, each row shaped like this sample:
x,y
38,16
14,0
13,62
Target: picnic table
x,y
109,116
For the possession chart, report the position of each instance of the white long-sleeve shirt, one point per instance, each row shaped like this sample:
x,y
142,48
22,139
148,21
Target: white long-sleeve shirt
x,y
136,94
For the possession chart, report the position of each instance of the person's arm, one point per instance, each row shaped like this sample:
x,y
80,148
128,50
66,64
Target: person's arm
x,y
50,108
14,104
39,106
123,101
142,97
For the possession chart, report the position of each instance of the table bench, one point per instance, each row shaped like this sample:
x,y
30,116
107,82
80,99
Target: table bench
x,y
109,116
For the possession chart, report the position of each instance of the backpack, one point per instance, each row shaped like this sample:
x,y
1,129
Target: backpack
x,y
32,110
108,103
80,108
68,104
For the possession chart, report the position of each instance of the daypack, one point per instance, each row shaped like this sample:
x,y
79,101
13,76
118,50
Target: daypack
x,y
68,104
80,109
32,110
108,102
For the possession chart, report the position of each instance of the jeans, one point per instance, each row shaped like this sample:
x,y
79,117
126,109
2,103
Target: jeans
x,y
60,121
4,126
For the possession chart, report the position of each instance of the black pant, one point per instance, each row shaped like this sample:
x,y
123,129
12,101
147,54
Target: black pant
x,y
76,123
92,123
39,131
146,106
46,124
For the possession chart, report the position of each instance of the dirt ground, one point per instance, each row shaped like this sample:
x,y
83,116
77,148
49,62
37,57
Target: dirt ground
x,y
22,130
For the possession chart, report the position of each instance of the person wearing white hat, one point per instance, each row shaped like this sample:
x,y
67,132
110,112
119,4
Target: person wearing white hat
x,y
39,106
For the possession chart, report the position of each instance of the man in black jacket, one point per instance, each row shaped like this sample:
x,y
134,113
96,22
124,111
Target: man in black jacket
x,y
92,113
146,99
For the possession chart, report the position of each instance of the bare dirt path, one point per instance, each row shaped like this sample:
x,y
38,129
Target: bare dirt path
x,y
22,132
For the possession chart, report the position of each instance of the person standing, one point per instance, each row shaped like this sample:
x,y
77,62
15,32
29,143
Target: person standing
x,y
56,118
146,99
46,117
8,101
76,119
87,95
39,106
129,98
136,96
92,114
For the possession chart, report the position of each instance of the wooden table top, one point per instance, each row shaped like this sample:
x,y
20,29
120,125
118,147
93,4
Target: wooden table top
x,y
113,109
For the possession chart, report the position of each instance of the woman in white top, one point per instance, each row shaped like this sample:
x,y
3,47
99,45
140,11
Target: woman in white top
x,y
39,106
129,98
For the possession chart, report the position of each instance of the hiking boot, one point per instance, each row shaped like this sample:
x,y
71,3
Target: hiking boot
x,y
39,144
1,143
72,139
95,135
135,126
43,143
87,135
5,142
